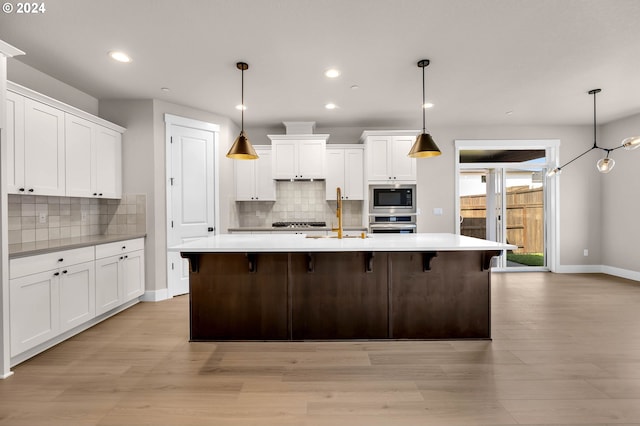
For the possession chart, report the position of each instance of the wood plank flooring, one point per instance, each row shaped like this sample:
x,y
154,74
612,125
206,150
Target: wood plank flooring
x,y
565,351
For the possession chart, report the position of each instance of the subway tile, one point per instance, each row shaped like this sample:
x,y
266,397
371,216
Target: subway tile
x,y
65,200
28,222
54,233
42,234
15,237
65,232
65,209
14,198
75,231
15,223
65,220
53,200
28,235
54,209
15,209
40,199
132,209
29,199
28,209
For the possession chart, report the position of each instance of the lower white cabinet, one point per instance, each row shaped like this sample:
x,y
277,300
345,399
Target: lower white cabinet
x,y
34,310
119,277
52,293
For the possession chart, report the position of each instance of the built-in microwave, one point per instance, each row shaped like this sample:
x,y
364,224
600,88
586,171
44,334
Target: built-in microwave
x,y
391,199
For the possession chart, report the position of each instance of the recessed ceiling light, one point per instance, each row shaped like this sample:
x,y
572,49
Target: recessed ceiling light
x,y
119,56
355,87
331,106
165,89
332,73
509,112
427,105
241,107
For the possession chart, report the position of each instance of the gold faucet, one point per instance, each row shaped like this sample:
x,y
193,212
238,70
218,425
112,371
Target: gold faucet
x,y
338,212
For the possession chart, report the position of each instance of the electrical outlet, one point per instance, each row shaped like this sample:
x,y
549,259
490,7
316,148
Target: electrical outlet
x,y
586,252
42,217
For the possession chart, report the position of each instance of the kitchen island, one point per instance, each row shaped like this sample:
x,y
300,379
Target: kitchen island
x,y
387,286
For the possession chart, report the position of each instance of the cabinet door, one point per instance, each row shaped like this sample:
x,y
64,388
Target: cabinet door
x,y
311,159
378,158
354,174
79,136
403,167
34,310
77,295
108,162
285,164
264,183
133,275
44,149
108,284
15,143
335,172
245,172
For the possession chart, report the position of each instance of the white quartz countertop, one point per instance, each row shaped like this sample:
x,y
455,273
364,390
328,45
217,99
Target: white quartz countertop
x,y
283,243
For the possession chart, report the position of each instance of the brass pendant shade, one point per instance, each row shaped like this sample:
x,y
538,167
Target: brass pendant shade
x,y
424,145
242,148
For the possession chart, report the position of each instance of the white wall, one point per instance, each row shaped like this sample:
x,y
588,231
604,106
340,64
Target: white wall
x,y
33,79
621,198
144,160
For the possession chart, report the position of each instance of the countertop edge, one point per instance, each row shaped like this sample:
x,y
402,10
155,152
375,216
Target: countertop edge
x,y
17,251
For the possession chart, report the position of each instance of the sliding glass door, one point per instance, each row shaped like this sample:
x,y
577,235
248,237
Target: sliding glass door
x,y
502,197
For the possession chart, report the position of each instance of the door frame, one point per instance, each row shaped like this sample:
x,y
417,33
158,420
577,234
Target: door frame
x,y
552,199
174,120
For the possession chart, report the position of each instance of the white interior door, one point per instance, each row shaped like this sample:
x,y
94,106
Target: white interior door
x,y
192,196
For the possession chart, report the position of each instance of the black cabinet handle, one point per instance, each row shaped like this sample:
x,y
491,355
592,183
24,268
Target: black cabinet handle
x,y
124,247
64,272
61,259
121,257
100,194
210,229
30,189
95,194
126,256
56,274
21,189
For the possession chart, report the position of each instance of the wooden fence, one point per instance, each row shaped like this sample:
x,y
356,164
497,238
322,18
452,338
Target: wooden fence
x,y
525,218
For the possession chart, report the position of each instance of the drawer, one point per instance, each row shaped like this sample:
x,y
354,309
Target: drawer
x,y
113,249
29,265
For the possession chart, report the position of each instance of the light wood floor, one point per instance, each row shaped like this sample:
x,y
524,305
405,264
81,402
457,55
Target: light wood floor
x,y
565,350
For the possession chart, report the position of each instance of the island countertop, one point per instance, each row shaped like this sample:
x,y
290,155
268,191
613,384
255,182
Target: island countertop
x,y
236,243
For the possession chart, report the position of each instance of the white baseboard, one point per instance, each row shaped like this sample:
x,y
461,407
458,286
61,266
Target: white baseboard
x,y
579,269
4,376
599,269
622,273
155,295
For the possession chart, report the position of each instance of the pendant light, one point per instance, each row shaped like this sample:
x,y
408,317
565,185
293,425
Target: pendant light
x,y
424,145
242,148
606,164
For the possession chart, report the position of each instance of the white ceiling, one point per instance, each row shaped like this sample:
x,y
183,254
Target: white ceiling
x,y
537,58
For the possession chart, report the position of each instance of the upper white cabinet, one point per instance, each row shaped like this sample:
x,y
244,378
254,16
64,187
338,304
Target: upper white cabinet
x,y
93,159
55,149
254,179
345,169
299,156
35,142
387,156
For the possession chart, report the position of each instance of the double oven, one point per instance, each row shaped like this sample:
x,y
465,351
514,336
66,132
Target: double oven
x,y
392,209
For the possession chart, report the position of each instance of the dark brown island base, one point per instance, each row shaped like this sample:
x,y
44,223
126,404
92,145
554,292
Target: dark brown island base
x,y
292,293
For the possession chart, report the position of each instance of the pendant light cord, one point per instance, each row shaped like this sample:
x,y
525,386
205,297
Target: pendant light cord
x,y
595,145
242,101
424,125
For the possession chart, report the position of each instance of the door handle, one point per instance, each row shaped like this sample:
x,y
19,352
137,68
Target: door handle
x,y
210,229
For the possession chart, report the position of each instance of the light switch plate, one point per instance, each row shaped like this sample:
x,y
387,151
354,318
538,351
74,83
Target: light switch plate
x,y
437,211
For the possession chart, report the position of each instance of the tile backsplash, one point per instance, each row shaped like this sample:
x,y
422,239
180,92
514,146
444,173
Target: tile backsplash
x,y
38,218
297,201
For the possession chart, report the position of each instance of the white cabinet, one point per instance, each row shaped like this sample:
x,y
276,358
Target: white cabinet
x,y
55,149
345,169
254,179
52,293
93,159
33,309
299,156
77,295
387,157
48,295
119,273
36,148
15,142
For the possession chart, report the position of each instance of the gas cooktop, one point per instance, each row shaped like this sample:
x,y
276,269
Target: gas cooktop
x,y
298,224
